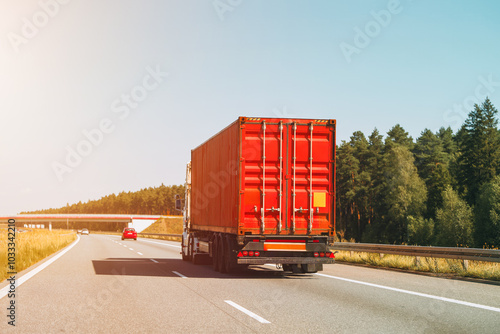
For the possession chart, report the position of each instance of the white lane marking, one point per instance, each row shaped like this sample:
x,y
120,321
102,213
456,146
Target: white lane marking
x,y
154,261
27,276
179,274
125,246
161,243
449,300
247,312
140,253
131,248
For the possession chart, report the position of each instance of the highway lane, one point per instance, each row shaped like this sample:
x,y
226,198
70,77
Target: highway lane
x,y
104,284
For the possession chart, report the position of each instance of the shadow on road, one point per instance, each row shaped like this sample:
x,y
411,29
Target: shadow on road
x,y
166,268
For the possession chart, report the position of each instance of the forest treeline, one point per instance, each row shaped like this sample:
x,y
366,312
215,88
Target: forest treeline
x,y
147,201
442,189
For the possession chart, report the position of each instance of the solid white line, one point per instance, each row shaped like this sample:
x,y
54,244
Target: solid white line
x,y
161,243
449,300
179,274
154,261
27,276
140,253
247,312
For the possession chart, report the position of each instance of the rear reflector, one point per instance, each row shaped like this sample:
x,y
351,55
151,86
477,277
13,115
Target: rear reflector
x,y
248,253
284,246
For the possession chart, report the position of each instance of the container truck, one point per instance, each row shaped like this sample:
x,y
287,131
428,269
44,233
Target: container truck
x,y
262,191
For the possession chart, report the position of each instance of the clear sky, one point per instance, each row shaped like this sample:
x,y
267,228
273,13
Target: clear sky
x,y
132,86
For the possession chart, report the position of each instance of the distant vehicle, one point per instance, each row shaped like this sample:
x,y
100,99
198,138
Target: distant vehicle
x,y
129,233
79,231
84,231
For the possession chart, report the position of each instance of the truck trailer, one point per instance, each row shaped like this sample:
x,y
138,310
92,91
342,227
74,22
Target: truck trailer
x,y
262,191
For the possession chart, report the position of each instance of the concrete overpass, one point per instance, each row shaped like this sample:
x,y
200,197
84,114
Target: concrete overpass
x,y
78,221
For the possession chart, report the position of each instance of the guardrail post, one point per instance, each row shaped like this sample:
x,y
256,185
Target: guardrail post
x,y
382,255
417,261
466,264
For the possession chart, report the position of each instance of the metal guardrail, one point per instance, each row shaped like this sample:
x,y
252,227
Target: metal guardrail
x,y
473,254
161,235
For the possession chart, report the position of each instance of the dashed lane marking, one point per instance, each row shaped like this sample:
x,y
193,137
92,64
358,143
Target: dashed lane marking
x,y
247,312
179,274
448,300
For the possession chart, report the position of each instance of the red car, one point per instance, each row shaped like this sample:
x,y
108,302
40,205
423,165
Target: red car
x,y
129,233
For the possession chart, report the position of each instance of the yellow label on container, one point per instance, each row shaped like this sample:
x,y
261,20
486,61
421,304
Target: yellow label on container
x,y
319,200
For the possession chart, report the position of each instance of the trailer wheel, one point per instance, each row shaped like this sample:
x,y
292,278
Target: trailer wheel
x,y
222,254
215,253
230,257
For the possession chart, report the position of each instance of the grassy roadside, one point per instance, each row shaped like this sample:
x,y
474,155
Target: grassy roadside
x,y
165,226
475,269
31,247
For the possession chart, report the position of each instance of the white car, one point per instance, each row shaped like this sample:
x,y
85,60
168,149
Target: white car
x,y
85,231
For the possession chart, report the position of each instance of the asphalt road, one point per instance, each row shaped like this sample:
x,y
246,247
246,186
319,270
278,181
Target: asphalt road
x,y
105,285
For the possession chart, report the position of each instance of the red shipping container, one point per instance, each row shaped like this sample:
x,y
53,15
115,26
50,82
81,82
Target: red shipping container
x,y
266,176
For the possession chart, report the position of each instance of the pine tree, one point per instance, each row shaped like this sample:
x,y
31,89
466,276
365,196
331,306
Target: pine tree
x,y
432,164
347,173
487,212
479,159
398,135
374,163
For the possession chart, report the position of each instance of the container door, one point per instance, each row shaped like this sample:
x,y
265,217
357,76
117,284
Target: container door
x,y
309,178
262,177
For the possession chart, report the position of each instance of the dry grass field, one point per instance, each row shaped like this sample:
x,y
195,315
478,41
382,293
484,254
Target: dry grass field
x,y
474,269
32,246
165,226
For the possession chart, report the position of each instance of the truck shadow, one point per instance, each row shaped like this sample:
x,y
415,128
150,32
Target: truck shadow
x,y
169,268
